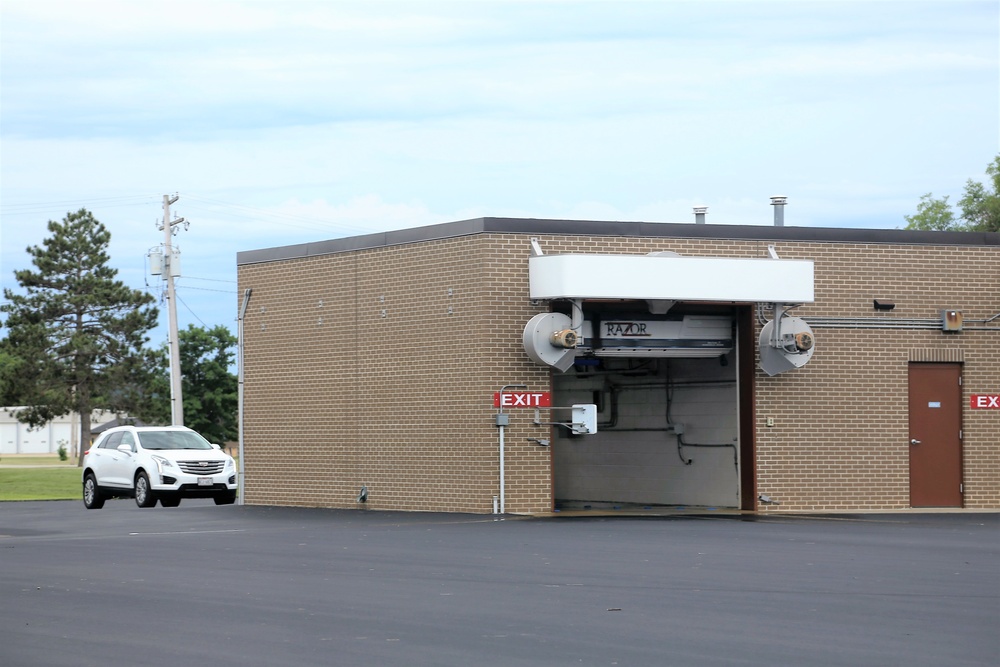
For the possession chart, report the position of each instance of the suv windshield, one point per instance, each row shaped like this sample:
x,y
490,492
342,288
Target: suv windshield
x,y
172,440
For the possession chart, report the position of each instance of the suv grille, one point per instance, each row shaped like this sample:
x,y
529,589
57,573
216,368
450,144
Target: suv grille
x,y
201,467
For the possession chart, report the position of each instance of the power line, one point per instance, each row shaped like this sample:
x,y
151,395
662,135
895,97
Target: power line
x,y
208,289
103,202
288,219
302,222
191,311
211,280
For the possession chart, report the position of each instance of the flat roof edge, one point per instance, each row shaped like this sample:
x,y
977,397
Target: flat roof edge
x,y
609,228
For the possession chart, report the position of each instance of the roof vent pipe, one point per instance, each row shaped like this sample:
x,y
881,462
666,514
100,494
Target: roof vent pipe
x,y
778,202
699,214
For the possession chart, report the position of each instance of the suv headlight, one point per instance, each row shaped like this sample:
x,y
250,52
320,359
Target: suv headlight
x,y
161,463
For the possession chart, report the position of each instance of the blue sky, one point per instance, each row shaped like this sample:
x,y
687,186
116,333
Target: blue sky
x,y
281,122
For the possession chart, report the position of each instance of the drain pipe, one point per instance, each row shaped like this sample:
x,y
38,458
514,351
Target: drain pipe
x,y
239,357
501,421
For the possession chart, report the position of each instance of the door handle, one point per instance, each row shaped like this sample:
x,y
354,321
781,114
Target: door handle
x,y
914,441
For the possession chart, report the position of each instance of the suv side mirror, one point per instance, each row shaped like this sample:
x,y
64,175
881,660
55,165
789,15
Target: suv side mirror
x,y
126,449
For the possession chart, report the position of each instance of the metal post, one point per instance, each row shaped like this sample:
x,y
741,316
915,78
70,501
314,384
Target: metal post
x,y
503,482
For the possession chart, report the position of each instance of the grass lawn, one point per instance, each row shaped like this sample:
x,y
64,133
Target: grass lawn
x,y
51,483
24,477
34,460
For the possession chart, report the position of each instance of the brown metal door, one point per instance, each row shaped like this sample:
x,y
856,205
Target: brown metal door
x,y
935,435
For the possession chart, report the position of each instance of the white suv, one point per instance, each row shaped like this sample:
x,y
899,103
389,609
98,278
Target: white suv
x,y
150,463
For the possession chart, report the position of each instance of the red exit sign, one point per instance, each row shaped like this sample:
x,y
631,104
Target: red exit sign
x,y
986,401
522,399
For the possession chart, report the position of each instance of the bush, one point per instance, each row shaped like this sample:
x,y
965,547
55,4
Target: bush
x,y
62,452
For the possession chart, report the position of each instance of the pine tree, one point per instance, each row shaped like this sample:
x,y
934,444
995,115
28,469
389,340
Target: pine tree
x,y
75,335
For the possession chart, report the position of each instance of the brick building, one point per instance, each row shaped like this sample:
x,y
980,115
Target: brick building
x,y
372,363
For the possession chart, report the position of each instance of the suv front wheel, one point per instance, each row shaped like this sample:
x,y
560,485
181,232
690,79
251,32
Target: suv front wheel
x,y
92,498
227,498
143,494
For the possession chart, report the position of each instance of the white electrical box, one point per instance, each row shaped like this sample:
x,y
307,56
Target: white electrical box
x,y
584,419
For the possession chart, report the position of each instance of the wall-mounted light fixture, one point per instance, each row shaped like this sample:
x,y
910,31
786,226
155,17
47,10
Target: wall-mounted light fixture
x,y
884,304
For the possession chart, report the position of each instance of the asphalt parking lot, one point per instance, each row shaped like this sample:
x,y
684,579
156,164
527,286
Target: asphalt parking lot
x,y
202,584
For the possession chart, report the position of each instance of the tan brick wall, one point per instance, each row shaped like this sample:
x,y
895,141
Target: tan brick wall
x,y
376,367
841,439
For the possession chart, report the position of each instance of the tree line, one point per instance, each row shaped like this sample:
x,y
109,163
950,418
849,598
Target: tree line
x,y
76,339
978,209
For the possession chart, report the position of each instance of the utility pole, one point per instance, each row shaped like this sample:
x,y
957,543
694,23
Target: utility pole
x,y
172,269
